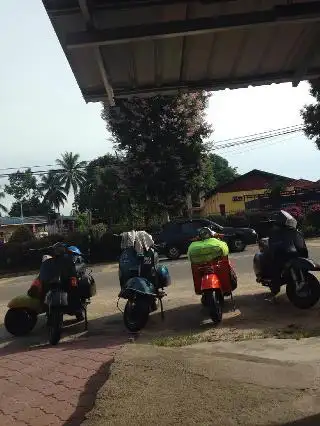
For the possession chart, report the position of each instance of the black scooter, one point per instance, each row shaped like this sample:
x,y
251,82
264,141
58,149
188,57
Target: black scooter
x,y
302,287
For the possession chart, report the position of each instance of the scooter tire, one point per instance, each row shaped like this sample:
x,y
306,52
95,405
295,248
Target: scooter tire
x,y
214,303
55,321
313,296
136,314
19,321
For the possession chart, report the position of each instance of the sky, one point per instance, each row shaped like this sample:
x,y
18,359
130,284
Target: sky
x,y
42,112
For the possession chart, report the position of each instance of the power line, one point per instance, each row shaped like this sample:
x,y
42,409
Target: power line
x,y
297,127
254,139
27,167
219,145
260,145
37,172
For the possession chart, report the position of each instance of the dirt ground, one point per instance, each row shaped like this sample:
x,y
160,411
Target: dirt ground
x,y
193,386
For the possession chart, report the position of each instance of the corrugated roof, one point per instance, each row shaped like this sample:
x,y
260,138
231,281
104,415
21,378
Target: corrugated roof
x,y
31,220
267,178
143,47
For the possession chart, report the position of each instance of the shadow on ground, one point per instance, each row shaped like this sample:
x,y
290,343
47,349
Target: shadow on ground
x,y
306,421
254,317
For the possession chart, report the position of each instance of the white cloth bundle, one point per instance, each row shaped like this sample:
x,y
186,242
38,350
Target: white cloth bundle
x,y
140,240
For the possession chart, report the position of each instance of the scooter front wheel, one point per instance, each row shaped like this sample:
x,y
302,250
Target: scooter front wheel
x,y
55,321
136,313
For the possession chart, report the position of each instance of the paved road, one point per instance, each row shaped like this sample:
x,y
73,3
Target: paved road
x,y
107,278
41,385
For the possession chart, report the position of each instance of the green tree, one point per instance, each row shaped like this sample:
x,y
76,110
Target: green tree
x,y
3,208
32,207
21,234
105,190
221,170
274,191
162,140
311,114
54,190
82,222
73,171
22,186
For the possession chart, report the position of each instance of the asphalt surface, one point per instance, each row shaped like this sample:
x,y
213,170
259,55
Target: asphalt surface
x,y
181,305
107,276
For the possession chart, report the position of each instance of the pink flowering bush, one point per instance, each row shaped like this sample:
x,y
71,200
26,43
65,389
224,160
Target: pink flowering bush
x,y
313,216
296,211
315,208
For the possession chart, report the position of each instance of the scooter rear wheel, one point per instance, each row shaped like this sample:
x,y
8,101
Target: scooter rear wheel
x,y
136,313
309,294
213,301
19,321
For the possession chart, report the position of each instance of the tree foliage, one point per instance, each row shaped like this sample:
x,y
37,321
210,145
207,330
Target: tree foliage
x,y
21,234
22,186
32,207
72,174
311,114
162,139
3,208
105,191
54,191
221,170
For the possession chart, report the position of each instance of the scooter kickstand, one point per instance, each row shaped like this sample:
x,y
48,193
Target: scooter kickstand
x,y
233,302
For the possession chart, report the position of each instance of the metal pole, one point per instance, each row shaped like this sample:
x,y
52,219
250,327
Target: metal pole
x,y
21,212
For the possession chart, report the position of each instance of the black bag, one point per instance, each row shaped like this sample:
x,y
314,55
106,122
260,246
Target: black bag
x,y
87,286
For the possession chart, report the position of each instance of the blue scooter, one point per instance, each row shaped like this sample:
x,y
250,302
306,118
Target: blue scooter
x,y
142,281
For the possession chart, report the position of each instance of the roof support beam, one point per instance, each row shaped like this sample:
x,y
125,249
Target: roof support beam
x,y
310,50
84,7
104,76
61,7
217,84
310,12
85,10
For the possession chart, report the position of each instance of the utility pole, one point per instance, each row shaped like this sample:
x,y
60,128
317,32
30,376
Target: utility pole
x,y
21,213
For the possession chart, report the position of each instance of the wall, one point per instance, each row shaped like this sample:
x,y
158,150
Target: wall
x,y
211,205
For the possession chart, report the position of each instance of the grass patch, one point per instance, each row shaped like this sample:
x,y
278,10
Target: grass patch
x,y
294,331
178,341
291,331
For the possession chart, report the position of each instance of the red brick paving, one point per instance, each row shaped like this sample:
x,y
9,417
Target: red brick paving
x,y
53,385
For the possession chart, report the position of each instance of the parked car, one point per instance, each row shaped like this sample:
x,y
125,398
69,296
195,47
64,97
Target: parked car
x,y
176,236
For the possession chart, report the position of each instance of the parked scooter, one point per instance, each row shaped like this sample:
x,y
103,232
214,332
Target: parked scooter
x,y
213,276
302,287
48,294
284,260
142,279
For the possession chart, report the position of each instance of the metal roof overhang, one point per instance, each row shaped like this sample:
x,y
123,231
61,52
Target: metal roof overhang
x,y
145,47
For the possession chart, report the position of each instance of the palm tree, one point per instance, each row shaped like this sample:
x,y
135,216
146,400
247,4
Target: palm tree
x,y
54,190
2,207
73,171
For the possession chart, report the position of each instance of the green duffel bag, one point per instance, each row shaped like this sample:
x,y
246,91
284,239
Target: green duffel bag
x,y
207,250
